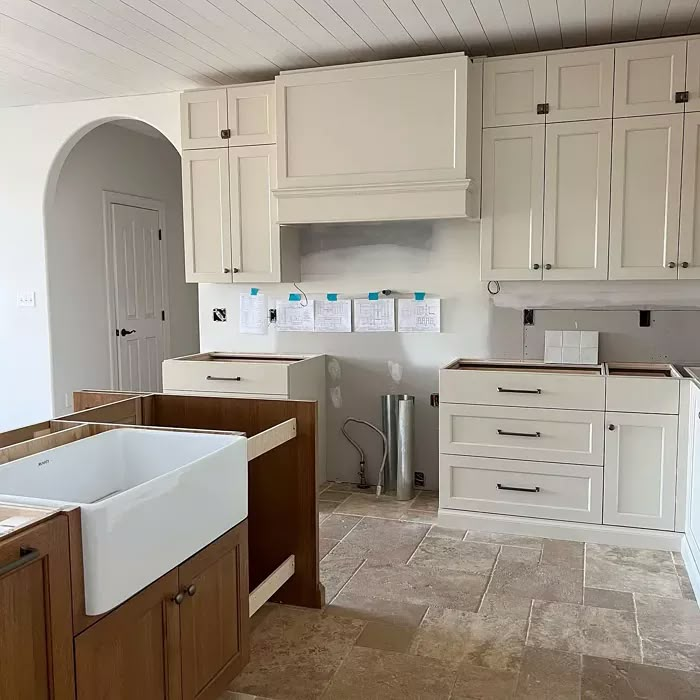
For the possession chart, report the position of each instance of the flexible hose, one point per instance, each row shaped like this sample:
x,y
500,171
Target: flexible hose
x,y
361,452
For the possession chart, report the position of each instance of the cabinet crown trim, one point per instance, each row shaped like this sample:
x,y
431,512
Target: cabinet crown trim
x,y
433,185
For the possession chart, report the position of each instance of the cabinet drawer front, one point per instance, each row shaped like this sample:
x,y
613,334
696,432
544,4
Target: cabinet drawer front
x,y
225,377
509,487
543,435
526,389
642,395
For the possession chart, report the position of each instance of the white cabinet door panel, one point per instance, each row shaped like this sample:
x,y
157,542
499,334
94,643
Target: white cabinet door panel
x,y
580,85
513,88
645,197
692,78
640,470
251,114
647,77
203,116
206,215
689,240
576,200
512,203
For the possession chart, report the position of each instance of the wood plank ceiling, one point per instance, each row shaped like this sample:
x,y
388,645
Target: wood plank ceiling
x,y
62,50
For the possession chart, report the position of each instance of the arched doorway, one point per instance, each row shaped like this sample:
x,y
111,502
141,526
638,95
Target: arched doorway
x,y
118,303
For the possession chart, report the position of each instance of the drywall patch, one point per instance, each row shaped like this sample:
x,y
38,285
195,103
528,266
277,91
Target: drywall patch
x,y
334,369
336,397
395,371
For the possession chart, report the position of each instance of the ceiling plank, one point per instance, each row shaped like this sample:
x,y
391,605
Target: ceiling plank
x,y
598,21
493,21
380,13
520,24
572,22
678,17
409,15
437,16
464,16
358,20
625,19
651,18
545,15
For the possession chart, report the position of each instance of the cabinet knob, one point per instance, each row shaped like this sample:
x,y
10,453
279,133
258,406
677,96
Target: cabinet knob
x,y
235,270
226,133
227,270
179,598
536,266
685,265
671,264
548,266
611,427
191,590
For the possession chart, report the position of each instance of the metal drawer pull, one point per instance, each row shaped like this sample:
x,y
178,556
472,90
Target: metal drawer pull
x,y
519,391
223,379
518,488
26,555
507,432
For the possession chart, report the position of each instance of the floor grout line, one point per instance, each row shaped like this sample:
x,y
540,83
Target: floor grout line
x,y
488,584
636,626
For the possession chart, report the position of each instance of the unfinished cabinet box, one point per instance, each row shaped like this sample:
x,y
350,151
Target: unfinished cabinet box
x,y
36,632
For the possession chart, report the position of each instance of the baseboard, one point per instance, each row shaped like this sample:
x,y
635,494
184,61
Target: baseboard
x,y
579,532
691,559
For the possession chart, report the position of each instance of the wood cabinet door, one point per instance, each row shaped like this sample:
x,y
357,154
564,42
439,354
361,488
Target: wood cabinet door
x,y
214,615
577,200
640,470
255,233
689,237
36,632
580,85
134,652
512,203
204,116
206,215
647,78
513,88
251,114
645,197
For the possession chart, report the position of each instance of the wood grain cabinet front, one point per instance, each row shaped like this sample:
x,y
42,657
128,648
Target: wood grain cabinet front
x,y
36,633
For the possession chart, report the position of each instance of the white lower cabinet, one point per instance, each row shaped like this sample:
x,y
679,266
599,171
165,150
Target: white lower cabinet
x,y
640,470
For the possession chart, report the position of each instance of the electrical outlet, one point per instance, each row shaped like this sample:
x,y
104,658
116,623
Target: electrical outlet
x,y
418,479
26,299
219,314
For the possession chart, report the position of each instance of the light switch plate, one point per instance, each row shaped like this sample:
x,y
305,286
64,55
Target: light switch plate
x,y
26,299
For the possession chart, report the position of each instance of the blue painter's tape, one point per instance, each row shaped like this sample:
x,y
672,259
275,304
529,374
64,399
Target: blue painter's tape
x,y
373,296
254,291
295,297
420,296
332,297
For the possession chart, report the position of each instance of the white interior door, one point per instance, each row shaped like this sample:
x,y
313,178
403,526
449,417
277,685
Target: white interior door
x,y
138,293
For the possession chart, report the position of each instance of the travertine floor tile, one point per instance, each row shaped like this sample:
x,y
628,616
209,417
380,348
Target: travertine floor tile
x,y
325,545
426,500
419,585
602,598
549,675
684,580
506,606
420,516
470,557
504,538
563,553
369,504
437,531
539,581
491,641
371,674
336,571
525,555
478,683
685,657
295,652
581,629
334,496
607,679
384,541
385,636
335,527
668,620
377,609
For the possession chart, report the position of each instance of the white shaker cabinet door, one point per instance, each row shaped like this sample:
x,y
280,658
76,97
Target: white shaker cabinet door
x,y
513,88
206,215
512,203
576,200
692,78
645,197
640,470
204,118
251,114
647,78
580,85
689,240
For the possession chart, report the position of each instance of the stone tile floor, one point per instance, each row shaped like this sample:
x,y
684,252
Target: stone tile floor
x,y
416,611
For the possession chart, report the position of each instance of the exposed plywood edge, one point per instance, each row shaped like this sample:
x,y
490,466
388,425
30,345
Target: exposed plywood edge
x,y
12,437
273,437
271,585
42,443
96,428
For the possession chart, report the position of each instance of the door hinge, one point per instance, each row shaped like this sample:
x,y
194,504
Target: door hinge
x,y
543,108
160,235
162,315
682,96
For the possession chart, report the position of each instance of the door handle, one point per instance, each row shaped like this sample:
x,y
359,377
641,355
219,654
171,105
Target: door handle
x,y
518,488
26,555
501,390
507,432
223,379
124,332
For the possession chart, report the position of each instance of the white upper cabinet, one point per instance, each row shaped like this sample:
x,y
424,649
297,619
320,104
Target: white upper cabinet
x,y
692,78
511,205
513,89
256,244
647,78
206,215
251,114
580,85
204,118
689,239
640,470
576,200
645,197
373,124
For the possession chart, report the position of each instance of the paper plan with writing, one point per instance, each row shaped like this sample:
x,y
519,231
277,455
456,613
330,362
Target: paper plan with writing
x,y
374,315
253,314
333,316
295,316
419,316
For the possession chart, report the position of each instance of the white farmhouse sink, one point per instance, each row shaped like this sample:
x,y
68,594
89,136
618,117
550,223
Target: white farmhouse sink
x,y
149,499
